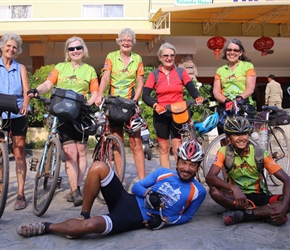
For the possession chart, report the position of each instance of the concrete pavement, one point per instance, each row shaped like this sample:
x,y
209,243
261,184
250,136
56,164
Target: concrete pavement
x,y
205,231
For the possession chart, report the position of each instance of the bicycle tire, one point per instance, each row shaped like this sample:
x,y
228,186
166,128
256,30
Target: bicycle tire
x,y
279,145
46,179
4,176
107,156
211,152
147,152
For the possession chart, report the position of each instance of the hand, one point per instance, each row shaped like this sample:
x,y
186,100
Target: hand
x,y
229,104
153,199
199,100
159,109
155,222
240,199
278,211
240,100
99,100
32,93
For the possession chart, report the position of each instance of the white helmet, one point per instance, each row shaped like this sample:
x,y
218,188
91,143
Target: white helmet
x,y
136,123
191,151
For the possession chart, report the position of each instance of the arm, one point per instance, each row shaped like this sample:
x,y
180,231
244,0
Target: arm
x,y
282,208
267,90
149,101
250,86
213,180
25,88
139,88
217,91
192,90
103,85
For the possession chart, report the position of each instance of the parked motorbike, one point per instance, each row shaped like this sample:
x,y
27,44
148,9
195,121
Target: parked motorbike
x,y
146,142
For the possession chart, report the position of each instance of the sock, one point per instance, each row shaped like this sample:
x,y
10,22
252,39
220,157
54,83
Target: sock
x,y
46,225
86,214
249,215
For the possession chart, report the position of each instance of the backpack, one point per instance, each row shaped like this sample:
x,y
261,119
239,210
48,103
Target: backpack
x,y
156,72
259,159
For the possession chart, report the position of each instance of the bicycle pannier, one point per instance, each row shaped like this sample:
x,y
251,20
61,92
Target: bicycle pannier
x,y
180,111
281,117
8,103
66,104
120,109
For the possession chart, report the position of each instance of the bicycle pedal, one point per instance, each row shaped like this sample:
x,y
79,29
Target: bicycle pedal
x,y
33,164
59,179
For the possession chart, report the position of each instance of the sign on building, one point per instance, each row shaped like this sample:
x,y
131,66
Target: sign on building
x,y
191,2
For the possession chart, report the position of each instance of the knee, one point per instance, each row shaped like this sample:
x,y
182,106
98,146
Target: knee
x,y
99,168
214,193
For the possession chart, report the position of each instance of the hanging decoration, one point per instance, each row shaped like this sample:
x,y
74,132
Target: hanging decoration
x,y
264,44
216,43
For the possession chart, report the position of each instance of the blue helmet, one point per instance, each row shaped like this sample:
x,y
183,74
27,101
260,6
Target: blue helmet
x,y
208,124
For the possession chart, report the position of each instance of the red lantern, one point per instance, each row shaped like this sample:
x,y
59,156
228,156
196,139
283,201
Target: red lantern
x,y
264,44
216,43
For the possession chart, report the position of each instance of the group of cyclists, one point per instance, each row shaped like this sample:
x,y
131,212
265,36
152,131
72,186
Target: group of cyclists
x,y
165,197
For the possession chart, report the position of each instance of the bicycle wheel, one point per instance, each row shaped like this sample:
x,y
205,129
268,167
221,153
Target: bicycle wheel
x,y
113,153
278,147
211,152
4,176
46,177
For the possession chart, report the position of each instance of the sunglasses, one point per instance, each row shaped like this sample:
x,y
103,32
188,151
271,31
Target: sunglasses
x,y
126,41
80,47
234,50
170,55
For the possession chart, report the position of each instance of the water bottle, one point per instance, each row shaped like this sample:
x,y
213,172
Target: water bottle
x,y
264,137
255,136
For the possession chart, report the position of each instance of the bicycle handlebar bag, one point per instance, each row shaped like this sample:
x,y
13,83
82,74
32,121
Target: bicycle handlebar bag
x,y
120,109
180,111
8,103
281,117
66,104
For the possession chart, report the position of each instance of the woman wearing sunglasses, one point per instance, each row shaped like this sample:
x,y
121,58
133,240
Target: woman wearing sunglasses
x,y
236,80
80,77
169,89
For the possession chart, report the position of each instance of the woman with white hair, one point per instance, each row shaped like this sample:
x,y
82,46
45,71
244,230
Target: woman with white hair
x,y
14,81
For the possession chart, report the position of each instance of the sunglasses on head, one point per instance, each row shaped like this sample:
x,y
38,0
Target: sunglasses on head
x,y
80,47
234,50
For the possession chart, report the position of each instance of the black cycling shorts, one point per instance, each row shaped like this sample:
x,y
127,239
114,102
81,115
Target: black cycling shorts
x,y
18,126
123,207
165,127
68,133
262,199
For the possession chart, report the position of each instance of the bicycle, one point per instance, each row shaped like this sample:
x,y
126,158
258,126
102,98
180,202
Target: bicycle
x,y
191,129
109,148
4,153
277,141
47,175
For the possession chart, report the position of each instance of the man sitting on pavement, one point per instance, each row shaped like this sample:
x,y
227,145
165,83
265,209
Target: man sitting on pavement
x,y
245,185
163,198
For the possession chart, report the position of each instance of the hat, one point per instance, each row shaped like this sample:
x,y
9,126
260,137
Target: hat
x,y
271,76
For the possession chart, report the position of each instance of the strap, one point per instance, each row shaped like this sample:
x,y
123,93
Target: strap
x,y
230,155
156,73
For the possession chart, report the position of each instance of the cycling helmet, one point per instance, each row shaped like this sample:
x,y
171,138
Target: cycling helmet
x,y
237,125
208,124
191,151
136,123
86,125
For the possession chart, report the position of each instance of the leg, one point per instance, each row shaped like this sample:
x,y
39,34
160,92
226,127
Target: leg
x,y
164,149
21,170
71,163
139,158
176,142
222,197
82,162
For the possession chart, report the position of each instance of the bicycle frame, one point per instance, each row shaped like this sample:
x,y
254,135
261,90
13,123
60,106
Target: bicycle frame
x,y
52,133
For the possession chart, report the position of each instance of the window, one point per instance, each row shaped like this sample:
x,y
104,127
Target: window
x,y
15,11
103,11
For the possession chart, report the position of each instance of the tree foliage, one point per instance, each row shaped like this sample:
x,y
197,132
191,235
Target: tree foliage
x,y
38,108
